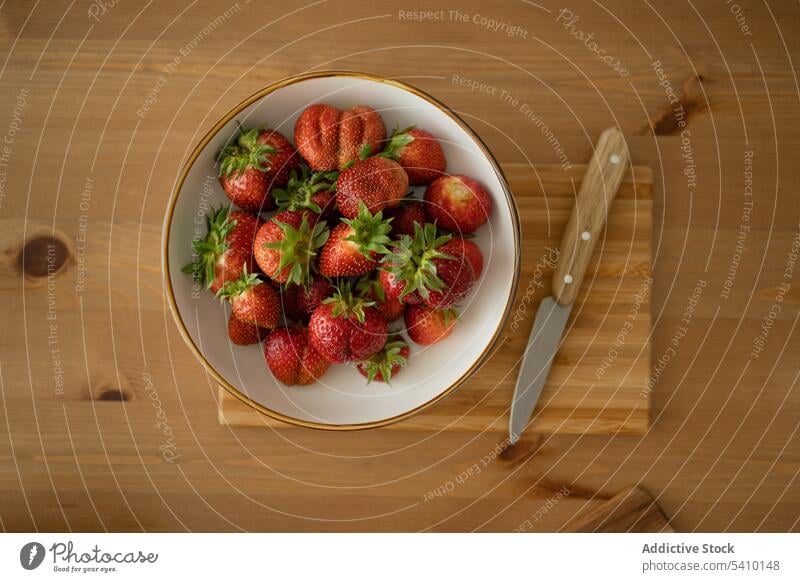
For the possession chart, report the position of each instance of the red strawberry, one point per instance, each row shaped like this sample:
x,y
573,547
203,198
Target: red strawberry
x,y
458,278
227,248
419,153
282,161
316,134
329,139
307,191
346,328
300,302
427,326
409,212
290,302
244,334
252,300
393,286
354,245
286,245
385,365
244,231
257,161
247,188
423,272
457,203
292,359
377,182
458,246
371,288
360,126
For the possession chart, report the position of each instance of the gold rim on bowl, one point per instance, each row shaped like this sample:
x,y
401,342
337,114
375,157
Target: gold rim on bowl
x,y
168,225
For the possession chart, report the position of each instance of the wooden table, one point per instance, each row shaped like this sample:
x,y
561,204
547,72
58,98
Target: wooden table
x,y
102,105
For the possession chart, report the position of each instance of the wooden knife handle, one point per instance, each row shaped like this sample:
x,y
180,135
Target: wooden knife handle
x,y
598,190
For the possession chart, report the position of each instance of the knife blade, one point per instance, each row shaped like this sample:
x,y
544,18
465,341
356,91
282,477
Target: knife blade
x,y
548,327
597,192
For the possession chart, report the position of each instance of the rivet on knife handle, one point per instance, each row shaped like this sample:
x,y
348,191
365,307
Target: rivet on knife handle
x,y
598,190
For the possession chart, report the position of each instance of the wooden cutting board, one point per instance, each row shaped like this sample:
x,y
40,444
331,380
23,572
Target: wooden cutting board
x,y
598,383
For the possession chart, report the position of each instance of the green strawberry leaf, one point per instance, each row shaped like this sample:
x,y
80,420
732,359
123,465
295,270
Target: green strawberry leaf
x,y
411,260
244,153
347,305
298,247
365,151
232,289
301,188
207,251
370,231
450,315
400,139
370,284
385,360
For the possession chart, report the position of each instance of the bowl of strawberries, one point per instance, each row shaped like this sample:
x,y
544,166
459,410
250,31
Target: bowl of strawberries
x,y
341,250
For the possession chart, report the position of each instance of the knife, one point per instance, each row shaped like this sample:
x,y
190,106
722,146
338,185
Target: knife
x,y
598,190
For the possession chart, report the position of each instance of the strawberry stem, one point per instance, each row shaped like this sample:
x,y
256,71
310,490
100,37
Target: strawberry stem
x,y
298,247
449,315
370,231
300,190
370,283
208,250
232,289
245,153
400,139
346,305
411,260
385,360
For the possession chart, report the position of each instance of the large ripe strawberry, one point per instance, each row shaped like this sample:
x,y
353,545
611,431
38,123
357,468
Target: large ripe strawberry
x,y
427,326
405,216
329,139
286,245
300,301
457,203
244,334
458,246
371,288
252,300
292,359
258,160
308,191
377,182
419,153
423,273
347,328
385,365
354,245
226,250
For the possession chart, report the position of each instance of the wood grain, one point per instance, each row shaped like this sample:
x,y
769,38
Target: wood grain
x,y
598,382
631,510
722,451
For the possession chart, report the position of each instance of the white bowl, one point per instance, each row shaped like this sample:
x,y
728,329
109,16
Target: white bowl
x,y
342,399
